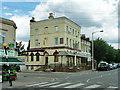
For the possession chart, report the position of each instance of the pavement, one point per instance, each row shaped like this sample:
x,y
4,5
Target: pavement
x,y
25,80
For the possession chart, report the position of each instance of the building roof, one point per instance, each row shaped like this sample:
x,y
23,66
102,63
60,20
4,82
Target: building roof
x,y
8,22
84,38
59,18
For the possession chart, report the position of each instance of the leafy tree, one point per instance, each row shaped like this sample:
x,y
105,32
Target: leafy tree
x,y
105,52
20,47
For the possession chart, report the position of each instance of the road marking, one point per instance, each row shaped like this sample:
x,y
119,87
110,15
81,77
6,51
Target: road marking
x,y
88,80
60,85
67,77
36,84
112,87
76,85
48,84
93,86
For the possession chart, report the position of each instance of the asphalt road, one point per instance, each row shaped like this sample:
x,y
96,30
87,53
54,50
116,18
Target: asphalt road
x,y
84,79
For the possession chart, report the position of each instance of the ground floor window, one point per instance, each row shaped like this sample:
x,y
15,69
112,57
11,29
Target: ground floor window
x,y
32,67
55,58
27,67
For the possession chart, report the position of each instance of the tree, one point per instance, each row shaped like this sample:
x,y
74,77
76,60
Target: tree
x,y
28,45
105,52
20,47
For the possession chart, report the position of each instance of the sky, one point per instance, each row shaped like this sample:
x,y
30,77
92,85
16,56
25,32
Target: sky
x,y
91,15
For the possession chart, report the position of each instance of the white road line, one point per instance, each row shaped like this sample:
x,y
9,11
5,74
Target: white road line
x,y
76,85
93,86
36,84
67,77
112,87
60,85
48,84
88,80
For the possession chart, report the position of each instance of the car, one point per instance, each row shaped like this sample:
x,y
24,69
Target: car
x,y
103,66
110,66
114,65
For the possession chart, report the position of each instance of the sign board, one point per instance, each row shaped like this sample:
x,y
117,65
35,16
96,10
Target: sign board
x,y
12,45
2,52
9,52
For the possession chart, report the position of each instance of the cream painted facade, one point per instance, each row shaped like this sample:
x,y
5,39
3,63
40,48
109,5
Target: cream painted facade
x,y
57,41
7,31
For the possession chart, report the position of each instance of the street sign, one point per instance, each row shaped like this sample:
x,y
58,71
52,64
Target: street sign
x,y
12,45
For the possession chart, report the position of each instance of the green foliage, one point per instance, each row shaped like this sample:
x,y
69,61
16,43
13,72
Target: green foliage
x,y
20,47
105,52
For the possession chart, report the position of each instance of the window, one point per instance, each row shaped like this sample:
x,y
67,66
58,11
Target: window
x,y
32,67
36,30
56,41
70,42
36,43
78,45
27,67
37,56
61,40
3,37
32,56
73,43
56,28
73,31
70,30
78,34
66,28
67,41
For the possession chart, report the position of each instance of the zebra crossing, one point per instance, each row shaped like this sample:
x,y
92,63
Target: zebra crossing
x,y
67,85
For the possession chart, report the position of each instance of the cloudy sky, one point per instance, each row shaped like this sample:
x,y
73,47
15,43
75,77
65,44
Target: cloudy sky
x,y
91,15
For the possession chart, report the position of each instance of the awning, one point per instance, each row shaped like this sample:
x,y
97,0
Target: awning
x,y
9,60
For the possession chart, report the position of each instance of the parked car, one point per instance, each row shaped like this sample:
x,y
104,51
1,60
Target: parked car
x,y
110,66
114,65
103,66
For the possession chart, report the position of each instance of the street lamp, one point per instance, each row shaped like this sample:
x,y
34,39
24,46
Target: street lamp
x,y
93,49
4,45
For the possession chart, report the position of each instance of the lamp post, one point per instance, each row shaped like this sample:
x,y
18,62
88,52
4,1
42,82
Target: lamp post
x,y
93,49
4,45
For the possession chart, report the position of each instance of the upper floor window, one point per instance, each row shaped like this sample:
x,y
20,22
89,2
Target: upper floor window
x,y
36,31
70,42
73,31
61,40
36,43
56,28
56,41
67,28
73,43
78,34
2,36
67,41
70,30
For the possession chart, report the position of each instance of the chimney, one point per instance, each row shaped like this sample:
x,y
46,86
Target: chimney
x,y
51,16
32,20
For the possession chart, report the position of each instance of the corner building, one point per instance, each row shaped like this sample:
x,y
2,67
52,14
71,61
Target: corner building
x,y
54,42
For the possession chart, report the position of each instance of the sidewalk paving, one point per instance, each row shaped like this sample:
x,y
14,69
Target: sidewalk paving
x,y
25,80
